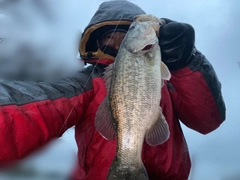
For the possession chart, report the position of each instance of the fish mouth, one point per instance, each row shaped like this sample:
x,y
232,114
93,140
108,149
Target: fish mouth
x,y
147,47
143,49
144,46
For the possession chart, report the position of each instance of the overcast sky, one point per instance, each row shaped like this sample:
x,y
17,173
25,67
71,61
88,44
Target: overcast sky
x,y
216,23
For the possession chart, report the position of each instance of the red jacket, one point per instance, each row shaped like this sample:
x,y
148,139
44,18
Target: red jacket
x,y
31,114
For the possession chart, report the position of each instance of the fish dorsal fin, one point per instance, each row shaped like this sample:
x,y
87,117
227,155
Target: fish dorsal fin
x,y
159,132
104,122
165,73
107,75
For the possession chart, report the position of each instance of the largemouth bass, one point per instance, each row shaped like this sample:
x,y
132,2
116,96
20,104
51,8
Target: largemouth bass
x,y
131,111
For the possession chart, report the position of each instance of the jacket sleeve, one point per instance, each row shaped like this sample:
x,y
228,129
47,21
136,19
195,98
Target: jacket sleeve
x,y
196,95
32,113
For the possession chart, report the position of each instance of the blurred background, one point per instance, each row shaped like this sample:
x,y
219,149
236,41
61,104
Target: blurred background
x,y
39,41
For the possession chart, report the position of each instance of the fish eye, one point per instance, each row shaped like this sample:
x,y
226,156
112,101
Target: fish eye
x,y
132,26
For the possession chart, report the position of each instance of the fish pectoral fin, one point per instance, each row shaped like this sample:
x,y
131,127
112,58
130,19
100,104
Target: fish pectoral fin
x,y
104,122
159,132
162,82
165,73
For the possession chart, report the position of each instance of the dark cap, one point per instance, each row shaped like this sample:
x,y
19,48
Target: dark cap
x,y
109,29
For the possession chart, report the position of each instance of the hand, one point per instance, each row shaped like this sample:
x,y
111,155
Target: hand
x,y
177,43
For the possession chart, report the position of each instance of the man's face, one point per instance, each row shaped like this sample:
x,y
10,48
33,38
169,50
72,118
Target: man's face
x,y
110,43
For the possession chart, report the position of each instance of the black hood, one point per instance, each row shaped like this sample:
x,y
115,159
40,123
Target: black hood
x,y
115,14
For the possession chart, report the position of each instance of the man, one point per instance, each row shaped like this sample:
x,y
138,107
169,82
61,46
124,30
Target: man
x,y
31,113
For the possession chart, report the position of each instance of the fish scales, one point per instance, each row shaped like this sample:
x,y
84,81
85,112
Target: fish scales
x,y
134,101
134,95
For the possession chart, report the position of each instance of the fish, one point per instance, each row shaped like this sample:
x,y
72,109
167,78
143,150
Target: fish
x,y
131,110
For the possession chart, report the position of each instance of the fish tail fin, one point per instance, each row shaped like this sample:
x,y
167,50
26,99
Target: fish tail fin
x,y
125,172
